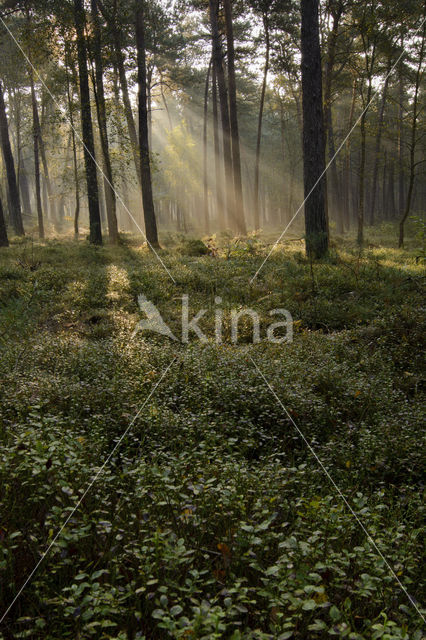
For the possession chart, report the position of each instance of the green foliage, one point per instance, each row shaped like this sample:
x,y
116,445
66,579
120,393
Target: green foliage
x,y
212,519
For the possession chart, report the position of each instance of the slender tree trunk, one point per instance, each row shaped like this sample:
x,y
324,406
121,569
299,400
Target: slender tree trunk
x,y
337,11
166,106
413,142
378,143
36,130
287,183
119,60
218,173
361,197
74,151
384,187
24,189
227,198
111,205
260,121
51,196
87,128
401,199
15,203
20,168
145,164
233,112
4,242
42,153
335,190
361,188
205,168
391,192
149,102
347,177
313,133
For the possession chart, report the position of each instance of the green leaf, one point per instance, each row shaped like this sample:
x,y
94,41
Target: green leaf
x,y
334,613
158,614
176,610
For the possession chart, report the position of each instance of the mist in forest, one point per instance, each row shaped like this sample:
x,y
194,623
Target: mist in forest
x,y
222,98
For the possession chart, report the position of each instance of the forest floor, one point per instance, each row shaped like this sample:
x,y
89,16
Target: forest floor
x,y
213,518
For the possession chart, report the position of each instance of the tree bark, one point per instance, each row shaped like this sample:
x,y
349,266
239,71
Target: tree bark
x,y
391,192
361,197
87,128
218,173
378,143
260,121
401,135
336,11
384,187
335,187
110,199
36,131
413,142
20,168
4,242
347,177
74,152
128,112
145,164
205,168
15,203
233,113
313,133
24,189
227,199
42,149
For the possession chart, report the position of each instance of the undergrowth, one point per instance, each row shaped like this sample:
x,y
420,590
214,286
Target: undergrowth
x,y
212,518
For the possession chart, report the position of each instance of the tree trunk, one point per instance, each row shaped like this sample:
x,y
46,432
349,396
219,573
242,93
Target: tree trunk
x,y
348,176
384,188
36,130
227,198
235,136
42,149
24,189
205,168
413,142
111,205
391,192
4,242
87,129
149,102
337,11
74,152
313,133
378,142
15,203
335,190
148,202
218,173
119,61
361,188
259,123
401,135
20,168
361,196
